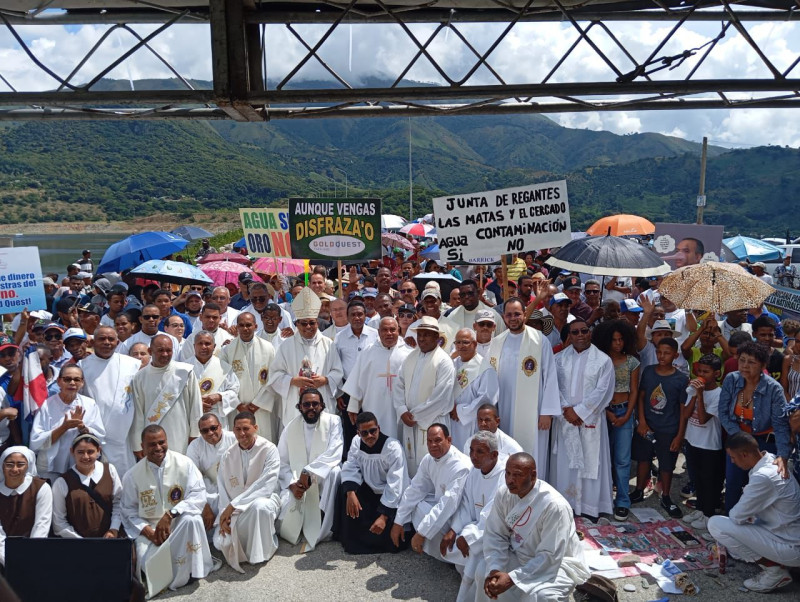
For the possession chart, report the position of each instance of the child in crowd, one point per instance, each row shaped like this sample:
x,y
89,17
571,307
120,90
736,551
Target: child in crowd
x,y
662,394
738,337
704,449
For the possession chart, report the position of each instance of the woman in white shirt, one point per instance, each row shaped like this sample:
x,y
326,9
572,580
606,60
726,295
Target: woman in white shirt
x,y
26,501
86,498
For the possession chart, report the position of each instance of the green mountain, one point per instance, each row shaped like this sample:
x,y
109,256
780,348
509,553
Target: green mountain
x,y
120,169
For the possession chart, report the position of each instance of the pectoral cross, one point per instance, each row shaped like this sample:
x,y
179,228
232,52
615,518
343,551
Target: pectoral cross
x,y
388,376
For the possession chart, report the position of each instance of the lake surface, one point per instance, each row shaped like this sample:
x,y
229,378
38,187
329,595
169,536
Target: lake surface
x,y
57,251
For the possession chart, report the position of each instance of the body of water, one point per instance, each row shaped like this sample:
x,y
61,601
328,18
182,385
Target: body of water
x,y
57,251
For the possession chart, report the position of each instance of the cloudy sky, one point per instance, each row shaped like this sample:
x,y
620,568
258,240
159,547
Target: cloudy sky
x,y
526,55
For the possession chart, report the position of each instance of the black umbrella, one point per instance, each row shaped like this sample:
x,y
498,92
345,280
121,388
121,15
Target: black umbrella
x,y
609,256
446,282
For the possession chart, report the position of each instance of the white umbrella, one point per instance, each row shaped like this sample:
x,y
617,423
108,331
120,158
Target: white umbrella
x,y
392,222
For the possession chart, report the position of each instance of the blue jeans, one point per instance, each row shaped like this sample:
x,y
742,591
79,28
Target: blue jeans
x,y
620,442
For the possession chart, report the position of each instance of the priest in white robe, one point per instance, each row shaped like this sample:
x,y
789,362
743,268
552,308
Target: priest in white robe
x,y
465,405
107,380
251,357
531,549
372,381
305,360
528,383
260,298
165,393
311,451
206,452
248,496
423,394
466,314
489,420
162,500
219,386
431,500
581,463
210,318
272,320
374,478
463,543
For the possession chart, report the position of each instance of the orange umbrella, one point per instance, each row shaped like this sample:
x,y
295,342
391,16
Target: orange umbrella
x,y
621,225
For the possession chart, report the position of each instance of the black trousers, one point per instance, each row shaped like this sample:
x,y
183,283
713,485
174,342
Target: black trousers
x,y
709,471
354,533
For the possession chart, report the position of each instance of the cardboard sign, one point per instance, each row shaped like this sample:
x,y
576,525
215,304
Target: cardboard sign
x,y
346,229
266,232
496,222
21,280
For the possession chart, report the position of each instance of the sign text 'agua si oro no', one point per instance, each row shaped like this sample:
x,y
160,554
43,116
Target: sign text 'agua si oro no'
x,y
511,220
341,229
266,232
21,280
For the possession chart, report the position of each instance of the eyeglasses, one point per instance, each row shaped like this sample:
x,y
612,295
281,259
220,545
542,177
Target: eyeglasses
x,y
150,316
463,342
591,292
307,405
71,379
11,465
209,429
199,289
177,325
373,431
258,299
407,290
579,331
306,323
52,337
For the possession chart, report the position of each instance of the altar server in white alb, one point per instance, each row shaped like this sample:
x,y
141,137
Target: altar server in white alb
x,y
250,357
423,394
373,379
205,452
531,549
305,360
468,395
108,376
162,500
219,387
431,500
581,465
528,384
165,393
489,420
311,450
61,418
463,543
249,497
374,478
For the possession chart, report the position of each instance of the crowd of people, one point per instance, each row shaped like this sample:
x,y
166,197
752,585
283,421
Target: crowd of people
x,y
364,407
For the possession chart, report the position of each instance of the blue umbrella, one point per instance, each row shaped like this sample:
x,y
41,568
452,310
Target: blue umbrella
x,y
192,232
431,252
138,248
752,249
240,244
171,271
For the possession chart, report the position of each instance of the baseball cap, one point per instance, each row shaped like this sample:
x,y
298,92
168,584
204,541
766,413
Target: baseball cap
x,y
74,333
47,281
370,292
408,308
103,284
193,294
431,292
65,303
91,308
484,315
84,275
85,251
760,264
54,326
245,277
571,283
630,306
6,342
560,298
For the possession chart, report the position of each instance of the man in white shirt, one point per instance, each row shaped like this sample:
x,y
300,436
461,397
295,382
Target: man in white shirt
x,y
489,420
210,317
432,499
149,320
373,480
248,496
764,525
206,452
338,318
227,315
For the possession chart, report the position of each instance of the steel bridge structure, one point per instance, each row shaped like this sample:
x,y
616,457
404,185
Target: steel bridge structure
x,y
668,75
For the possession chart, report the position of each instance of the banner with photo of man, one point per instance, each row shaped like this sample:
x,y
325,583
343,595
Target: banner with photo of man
x,y
687,244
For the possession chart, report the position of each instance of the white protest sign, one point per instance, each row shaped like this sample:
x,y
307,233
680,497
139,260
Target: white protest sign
x,y
511,220
21,280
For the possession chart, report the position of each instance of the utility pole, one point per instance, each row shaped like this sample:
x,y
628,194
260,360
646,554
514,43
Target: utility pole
x,y
701,196
410,177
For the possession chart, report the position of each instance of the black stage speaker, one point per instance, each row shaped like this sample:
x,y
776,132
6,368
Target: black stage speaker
x,y
69,569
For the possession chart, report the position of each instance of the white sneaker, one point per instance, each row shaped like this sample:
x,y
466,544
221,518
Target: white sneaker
x,y
701,523
693,516
771,578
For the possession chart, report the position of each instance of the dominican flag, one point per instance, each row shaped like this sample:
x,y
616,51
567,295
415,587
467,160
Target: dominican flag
x,y
34,384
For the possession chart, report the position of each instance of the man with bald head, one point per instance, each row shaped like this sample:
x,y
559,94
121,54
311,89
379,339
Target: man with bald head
x,y
107,380
338,319
219,385
466,398
211,322
531,549
227,315
165,393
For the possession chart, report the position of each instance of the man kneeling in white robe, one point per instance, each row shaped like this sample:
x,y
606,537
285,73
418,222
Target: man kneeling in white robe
x,y
162,500
489,420
311,450
531,549
206,452
432,499
248,492
463,543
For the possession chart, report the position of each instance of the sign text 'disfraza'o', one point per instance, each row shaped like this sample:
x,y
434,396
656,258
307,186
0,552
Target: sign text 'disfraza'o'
x,y
495,222
347,229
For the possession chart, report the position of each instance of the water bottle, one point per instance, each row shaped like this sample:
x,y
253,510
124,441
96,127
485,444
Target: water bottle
x,y
690,392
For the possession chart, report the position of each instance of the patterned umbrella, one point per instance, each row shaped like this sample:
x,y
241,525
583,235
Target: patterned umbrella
x,y
418,230
235,257
225,272
171,271
714,286
272,265
390,239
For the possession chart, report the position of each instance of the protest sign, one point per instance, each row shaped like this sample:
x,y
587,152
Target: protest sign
x,y
511,220
21,280
342,229
266,232
785,302
687,244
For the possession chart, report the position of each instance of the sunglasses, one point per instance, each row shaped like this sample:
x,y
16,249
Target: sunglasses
x,y
209,429
407,290
589,292
307,405
580,331
306,323
150,316
52,337
71,379
258,299
373,431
